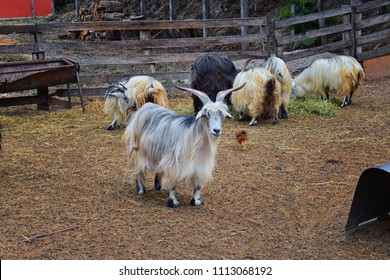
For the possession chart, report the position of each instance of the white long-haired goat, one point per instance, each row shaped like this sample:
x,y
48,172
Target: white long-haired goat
x,y
260,95
130,94
340,75
176,148
278,67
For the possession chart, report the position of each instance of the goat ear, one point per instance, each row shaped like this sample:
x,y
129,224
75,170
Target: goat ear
x,y
199,114
202,96
222,94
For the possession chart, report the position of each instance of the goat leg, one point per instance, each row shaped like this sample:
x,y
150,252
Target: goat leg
x,y
112,125
253,122
139,184
196,201
157,182
172,201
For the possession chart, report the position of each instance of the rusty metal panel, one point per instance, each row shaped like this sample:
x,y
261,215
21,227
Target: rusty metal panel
x,y
18,76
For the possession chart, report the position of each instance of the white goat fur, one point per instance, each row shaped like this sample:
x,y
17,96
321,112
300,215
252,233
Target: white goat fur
x,y
278,67
137,91
178,149
261,94
339,75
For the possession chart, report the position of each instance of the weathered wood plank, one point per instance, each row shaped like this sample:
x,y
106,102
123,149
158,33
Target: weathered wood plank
x,y
376,36
371,4
22,48
165,58
149,24
374,53
311,17
152,43
313,51
313,33
385,18
22,100
100,91
112,78
17,28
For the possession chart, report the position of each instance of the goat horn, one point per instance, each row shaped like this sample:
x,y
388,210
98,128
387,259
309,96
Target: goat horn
x,y
246,64
123,86
222,94
202,96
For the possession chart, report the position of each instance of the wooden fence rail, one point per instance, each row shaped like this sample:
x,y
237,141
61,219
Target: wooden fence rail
x,y
346,36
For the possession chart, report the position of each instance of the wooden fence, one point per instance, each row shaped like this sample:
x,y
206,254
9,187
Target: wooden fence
x,y
361,32
109,61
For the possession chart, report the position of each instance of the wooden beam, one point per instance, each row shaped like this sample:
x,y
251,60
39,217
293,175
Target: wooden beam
x,y
148,24
188,43
143,8
206,14
311,17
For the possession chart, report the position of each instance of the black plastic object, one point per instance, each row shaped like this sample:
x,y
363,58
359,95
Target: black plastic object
x,y
371,199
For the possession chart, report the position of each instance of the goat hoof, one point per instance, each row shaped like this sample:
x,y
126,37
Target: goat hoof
x,y
110,127
253,122
173,203
275,121
158,187
140,189
196,202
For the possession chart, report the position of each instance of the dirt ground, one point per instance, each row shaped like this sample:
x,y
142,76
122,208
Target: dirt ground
x,y
287,197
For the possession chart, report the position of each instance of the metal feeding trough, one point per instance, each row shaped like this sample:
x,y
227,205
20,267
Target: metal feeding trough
x,y
371,200
37,74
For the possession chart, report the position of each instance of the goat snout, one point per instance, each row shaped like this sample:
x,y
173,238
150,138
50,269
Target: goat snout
x,y
216,133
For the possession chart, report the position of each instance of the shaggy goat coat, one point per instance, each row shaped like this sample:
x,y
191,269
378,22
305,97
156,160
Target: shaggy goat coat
x,y
339,75
130,94
210,74
175,148
261,94
277,67
179,161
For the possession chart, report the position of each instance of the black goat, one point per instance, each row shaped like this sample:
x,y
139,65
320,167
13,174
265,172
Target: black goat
x,y
211,74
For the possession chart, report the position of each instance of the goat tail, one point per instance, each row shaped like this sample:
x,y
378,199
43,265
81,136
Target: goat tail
x,y
270,87
273,99
361,77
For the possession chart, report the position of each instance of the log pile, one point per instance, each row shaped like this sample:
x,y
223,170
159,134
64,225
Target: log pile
x,y
94,10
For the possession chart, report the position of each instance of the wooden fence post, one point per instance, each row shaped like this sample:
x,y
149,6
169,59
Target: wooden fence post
x,y
356,17
277,36
206,15
244,14
143,8
37,38
172,16
77,7
321,21
347,35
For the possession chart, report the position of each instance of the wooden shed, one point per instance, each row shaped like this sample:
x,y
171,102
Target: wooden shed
x,y
25,8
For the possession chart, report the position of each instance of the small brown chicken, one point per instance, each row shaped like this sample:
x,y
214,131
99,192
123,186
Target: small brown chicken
x,y
242,138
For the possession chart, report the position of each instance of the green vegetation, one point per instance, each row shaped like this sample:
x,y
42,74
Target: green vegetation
x,y
312,105
12,58
304,7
